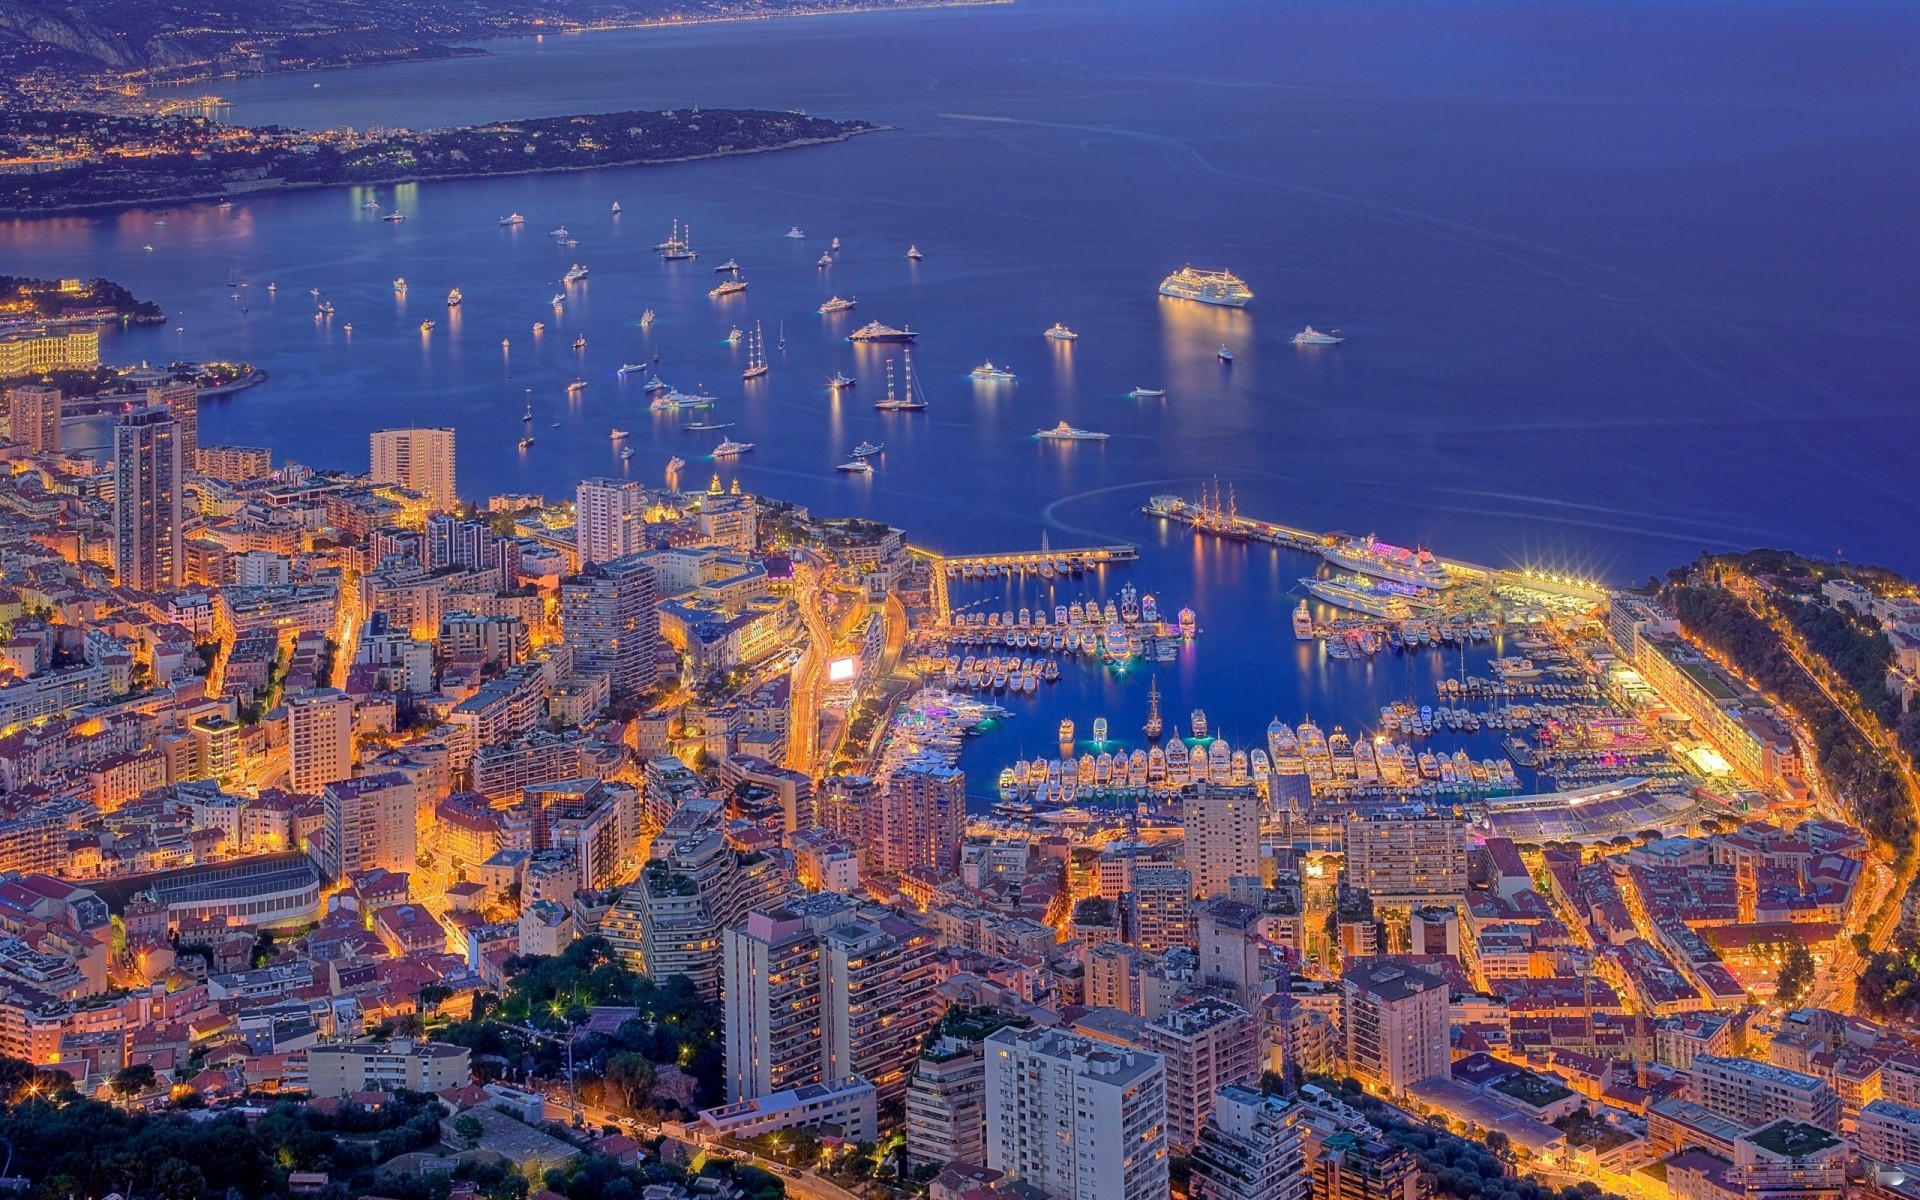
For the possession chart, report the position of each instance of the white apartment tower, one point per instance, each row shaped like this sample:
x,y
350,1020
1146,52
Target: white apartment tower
x,y
607,519
1078,1119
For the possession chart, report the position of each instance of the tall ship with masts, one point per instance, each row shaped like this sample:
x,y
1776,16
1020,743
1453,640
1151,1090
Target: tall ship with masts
x,y
678,244
756,355
910,400
1154,724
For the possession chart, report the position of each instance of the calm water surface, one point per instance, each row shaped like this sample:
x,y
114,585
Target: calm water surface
x,y
1620,281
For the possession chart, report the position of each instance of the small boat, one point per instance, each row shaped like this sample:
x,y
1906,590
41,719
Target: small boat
x,y
1060,333
513,219
399,285
616,208
148,247
858,466
1313,337
371,206
707,426
913,252
558,233
616,434
539,327
505,344
1226,355
558,301
1148,393
392,216
224,205
646,318
826,260
734,335
836,241
347,328
727,266
580,343
795,232
675,463
526,441
866,448
841,382
527,415
626,452
273,287
576,387
426,327
453,298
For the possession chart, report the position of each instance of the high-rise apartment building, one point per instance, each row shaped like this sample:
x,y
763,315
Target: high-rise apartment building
x,y
1250,1148
148,550
419,460
670,921
1363,1166
1206,1045
1076,1118
1157,911
607,519
1757,1093
183,401
319,739
879,978
370,822
1408,852
947,1092
607,616
773,986
1394,1021
923,820
1223,837
33,417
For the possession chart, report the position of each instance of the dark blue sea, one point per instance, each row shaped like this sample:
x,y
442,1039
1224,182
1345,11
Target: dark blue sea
x,y
1619,281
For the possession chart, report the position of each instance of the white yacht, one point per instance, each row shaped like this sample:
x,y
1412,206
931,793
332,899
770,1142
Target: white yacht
x,y
1060,333
730,448
1207,287
866,448
841,382
513,219
913,252
1064,432
1148,393
795,232
835,305
1313,337
858,466
727,266
825,261
988,373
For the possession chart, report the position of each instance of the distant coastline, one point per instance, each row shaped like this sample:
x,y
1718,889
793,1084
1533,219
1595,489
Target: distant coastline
x,y
41,196
472,44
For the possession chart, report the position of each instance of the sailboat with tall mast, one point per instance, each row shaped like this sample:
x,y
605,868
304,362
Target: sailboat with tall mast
x,y
910,400
678,244
1154,724
756,355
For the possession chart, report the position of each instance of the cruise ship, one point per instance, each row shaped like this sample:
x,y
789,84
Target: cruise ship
x,y
1359,599
1385,561
874,331
1313,337
988,373
835,305
731,448
1064,432
1208,287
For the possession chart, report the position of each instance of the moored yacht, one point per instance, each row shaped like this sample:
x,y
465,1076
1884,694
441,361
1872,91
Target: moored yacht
x,y
1064,432
1313,337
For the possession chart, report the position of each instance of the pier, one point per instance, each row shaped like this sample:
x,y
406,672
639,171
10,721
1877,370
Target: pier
x,y
1047,560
